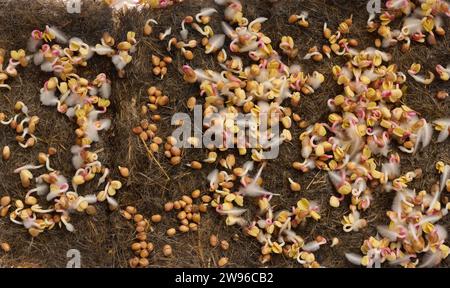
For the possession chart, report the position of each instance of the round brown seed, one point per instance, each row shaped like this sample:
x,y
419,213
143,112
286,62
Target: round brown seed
x,y
213,240
168,206
5,247
171,232
156,218
224,245
167,250
222,262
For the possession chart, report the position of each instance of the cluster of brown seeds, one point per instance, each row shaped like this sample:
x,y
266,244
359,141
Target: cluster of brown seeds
x,y
147,130
160,65
188,213
156,99
5,247
141,247
172,152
